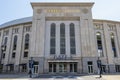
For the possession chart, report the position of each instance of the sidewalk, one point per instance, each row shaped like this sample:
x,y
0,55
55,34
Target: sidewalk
x,y
59,77
111,77
7,76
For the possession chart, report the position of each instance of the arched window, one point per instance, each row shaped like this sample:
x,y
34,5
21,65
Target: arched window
x,y
53,30
27,41
99,44
72,30
62,30
26,45
72,39
5,41
52,38
113,45
15,42
62,38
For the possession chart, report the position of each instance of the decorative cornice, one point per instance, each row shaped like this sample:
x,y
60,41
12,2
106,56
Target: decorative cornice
x,y
107,21
47,4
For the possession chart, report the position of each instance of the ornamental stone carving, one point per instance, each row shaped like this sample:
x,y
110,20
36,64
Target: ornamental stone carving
x,y
85,10
39,11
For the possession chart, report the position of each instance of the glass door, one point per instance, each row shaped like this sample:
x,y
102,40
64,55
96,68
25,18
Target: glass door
x,y
62,67
35,69
90,67
73,67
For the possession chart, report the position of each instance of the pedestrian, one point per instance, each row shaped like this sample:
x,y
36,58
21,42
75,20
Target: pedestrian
x,y
100,72
30,73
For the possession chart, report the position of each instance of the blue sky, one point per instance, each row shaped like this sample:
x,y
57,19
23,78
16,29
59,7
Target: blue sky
x,y
15,9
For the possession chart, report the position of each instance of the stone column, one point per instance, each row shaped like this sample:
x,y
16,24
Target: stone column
x,y
57,39
109,54
46,66
79,66
7,52
118,38
4,68
68,67
57,67
41,65
19,48
16,68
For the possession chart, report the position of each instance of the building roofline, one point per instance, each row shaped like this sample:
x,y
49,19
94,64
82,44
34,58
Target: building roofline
x,y
103,20
29,19
16,22
47,4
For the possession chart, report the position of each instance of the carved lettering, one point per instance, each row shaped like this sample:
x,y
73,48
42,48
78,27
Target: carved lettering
x,y
61,57
63,10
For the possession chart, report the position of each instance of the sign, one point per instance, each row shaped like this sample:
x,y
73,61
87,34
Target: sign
x,y
63,10
61,57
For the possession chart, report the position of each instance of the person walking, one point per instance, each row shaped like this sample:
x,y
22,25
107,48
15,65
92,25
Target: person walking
x,y
30,73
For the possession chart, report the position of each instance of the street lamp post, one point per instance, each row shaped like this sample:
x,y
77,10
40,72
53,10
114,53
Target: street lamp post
x,y
3,47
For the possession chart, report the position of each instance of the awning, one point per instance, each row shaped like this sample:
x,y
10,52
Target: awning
x,y
22,64
63,60
1,64
9,64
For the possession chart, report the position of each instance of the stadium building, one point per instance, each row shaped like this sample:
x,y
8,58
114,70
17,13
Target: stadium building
x,y
60,38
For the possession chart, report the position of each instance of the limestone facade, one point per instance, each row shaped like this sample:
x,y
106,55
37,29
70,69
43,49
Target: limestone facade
x,y
61,54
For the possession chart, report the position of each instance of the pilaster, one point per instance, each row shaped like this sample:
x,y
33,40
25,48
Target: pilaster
x,y
108,44
7,53
19,48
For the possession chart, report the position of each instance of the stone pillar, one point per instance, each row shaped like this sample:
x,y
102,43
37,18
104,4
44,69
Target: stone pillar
x,y
67,40
41,65
19,48
79,66
57,40
16,68
7,52
68,67
4,68
118,38
112,68
46,66
57,67
109,54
